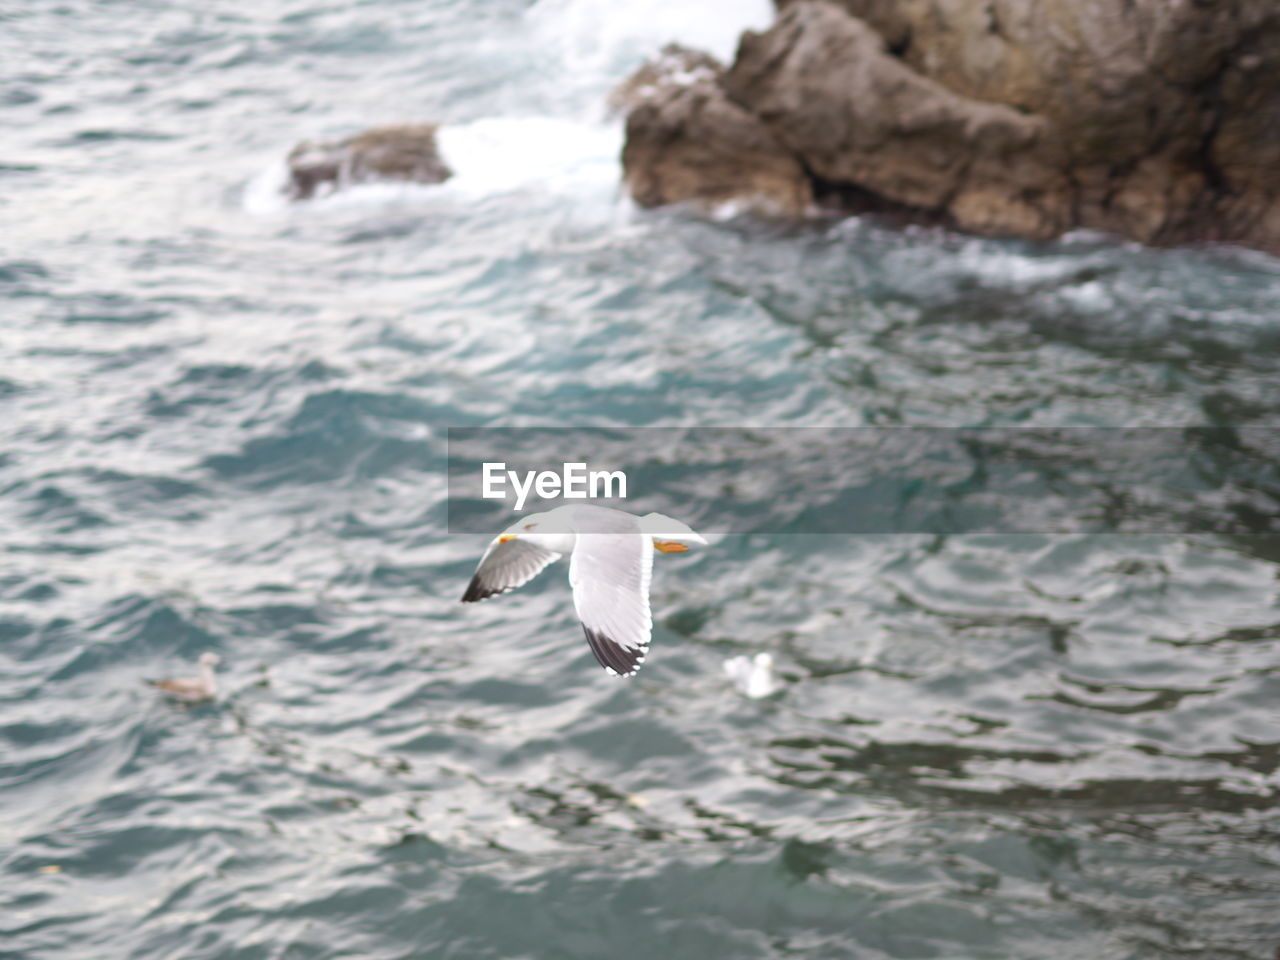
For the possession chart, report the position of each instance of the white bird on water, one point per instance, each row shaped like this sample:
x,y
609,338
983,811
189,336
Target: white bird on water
x,y
193,689
753,676
609,569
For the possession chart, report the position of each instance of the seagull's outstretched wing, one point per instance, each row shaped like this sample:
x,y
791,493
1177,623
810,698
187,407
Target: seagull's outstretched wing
x,y
610,574
506,566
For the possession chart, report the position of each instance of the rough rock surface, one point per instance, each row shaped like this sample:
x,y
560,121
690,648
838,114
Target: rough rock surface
x,y
406,152
676,66
688,142
1154,119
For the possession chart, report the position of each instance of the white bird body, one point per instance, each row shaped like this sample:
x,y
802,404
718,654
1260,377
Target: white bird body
x,y
610,566
193,689
753,676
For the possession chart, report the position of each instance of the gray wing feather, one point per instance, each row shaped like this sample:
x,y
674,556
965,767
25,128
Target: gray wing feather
x,y
506,566
610,575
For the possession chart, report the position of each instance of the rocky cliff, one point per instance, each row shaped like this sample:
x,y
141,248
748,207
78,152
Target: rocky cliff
x,y
1158,120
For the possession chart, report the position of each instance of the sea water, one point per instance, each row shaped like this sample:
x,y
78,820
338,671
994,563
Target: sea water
x,y
222,427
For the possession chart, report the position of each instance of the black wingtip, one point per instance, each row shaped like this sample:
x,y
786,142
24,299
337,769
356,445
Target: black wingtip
x,y
614,657
477,591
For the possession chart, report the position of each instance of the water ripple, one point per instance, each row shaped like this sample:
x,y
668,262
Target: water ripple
x,y
224,429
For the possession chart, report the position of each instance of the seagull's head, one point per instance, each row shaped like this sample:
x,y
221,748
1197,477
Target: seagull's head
x,y
527,529
541,530
209,659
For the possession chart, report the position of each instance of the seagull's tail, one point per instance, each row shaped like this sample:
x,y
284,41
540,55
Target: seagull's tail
x,y
662,527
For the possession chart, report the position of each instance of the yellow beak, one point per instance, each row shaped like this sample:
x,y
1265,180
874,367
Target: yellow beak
x,y
505,537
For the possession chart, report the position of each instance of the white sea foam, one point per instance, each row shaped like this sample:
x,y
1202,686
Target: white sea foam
x,y
593,45
500,154
489,157
601,41
264,193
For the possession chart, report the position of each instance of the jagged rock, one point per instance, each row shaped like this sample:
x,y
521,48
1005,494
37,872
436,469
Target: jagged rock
x,y
676,65
406,152
826,85
1154,119
888,18
687,142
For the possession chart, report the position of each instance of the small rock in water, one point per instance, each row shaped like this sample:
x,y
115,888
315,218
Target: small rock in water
x,y
403,152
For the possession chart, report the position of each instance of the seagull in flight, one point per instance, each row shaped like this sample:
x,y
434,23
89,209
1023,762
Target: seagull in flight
x,y
610,565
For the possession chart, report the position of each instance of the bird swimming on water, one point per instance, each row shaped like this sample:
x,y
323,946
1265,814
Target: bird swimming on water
x,y
753,676
610,564
193,689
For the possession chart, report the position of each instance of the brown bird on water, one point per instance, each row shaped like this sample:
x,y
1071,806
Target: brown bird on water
x,y
192,689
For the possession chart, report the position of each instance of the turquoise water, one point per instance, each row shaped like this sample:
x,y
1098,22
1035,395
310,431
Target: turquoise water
x,y
222,427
